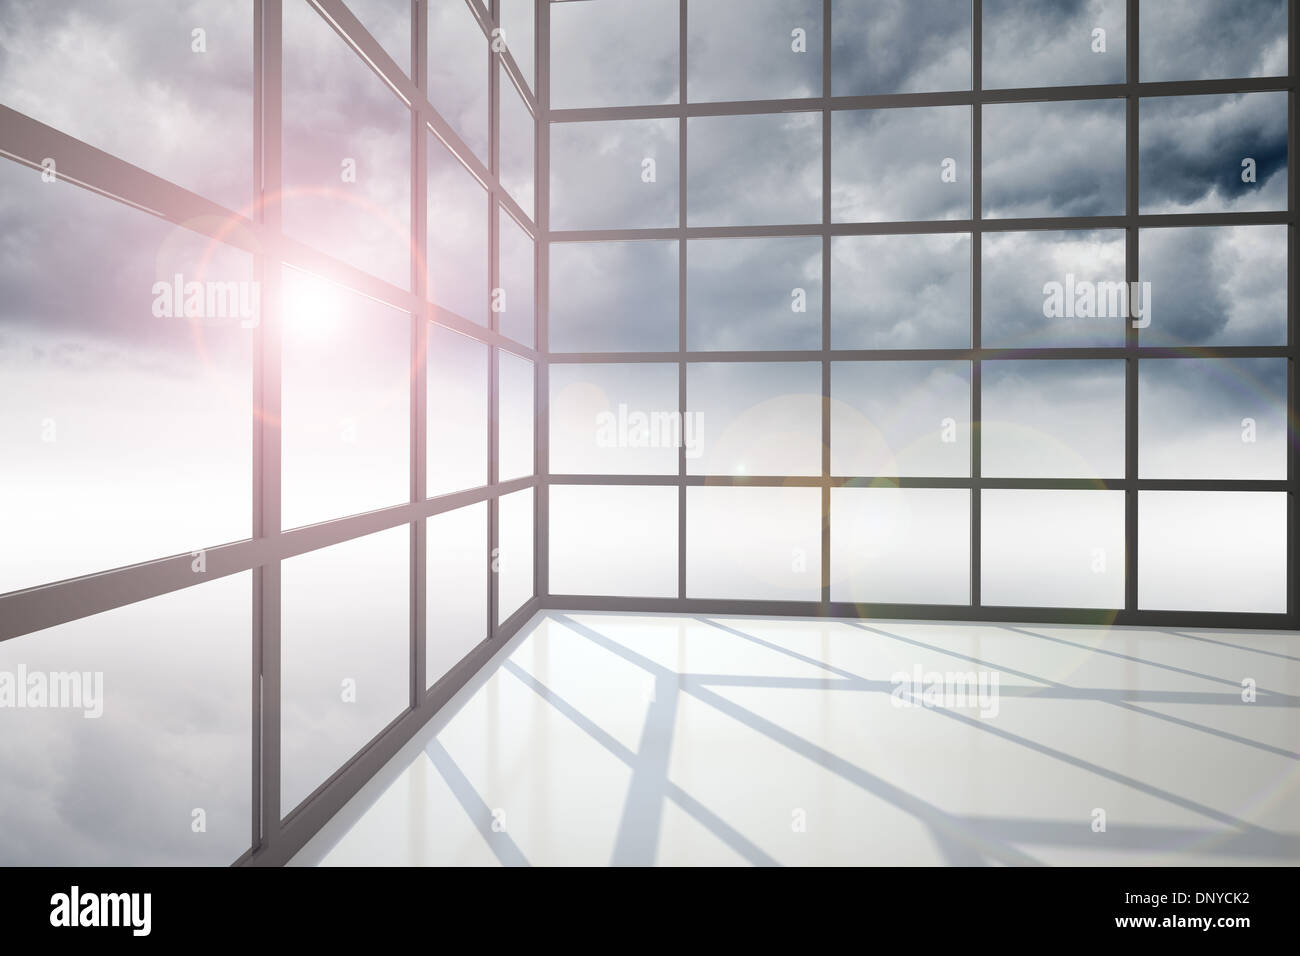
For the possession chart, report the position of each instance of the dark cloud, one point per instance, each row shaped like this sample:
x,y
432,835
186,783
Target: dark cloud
x,y
739,293
1192,147
900,46
1212,39
1054,159
745,50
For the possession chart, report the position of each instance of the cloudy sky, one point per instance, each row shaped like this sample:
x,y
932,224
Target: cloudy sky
x,y
125,428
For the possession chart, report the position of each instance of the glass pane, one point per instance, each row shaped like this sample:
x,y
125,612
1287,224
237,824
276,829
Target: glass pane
x,y
614,54
617,420
1212,551
900,164
457,397
613,541
1212,418
620,174
346,399
1052,548
516,147
1211,39
1054,159
1242,167
730,183
457,570
755,418
517,29
516,268
515,442
126,389
346,152
514,558
458,236
112,771
754,293
1053,419
760,544
900,545
345,648
1218,285
754,50
613,296
900,292
900,46
458,72
900,419
389,22
1062,289
165,86
1066,44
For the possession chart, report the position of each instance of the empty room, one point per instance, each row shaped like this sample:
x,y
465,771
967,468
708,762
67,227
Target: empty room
x,y
679,433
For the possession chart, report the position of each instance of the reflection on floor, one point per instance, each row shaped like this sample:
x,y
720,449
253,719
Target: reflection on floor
x,y
672,739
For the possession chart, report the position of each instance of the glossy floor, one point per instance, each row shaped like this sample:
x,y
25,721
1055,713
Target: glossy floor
x,y
675,739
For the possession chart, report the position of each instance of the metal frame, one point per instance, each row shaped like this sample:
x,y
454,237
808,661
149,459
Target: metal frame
x,y
1131,91
277,832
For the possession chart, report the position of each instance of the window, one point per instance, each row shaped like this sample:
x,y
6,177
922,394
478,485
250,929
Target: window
x,y
457,589
1053,159
754,49
346,152
346,402
458,400
345,647
900,164
1050,548
613,296
614,541
515,300
618,174
139,673
900,418
977,370
757,544
730,185
458,236
1047,289
1212,550
617,420
754,418
515,438
207,417
900,292
1211,39
458,72
900,545
125,396
592,66
516,151
896,46
513,560
1053,419
754,293
1242,167
1077,44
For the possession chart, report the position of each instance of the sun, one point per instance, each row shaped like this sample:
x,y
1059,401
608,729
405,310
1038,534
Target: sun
x,y
311,306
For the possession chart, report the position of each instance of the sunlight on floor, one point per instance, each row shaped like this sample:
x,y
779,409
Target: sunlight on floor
x,y
597,739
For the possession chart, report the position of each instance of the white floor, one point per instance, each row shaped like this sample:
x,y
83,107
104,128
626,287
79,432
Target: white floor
x,y
672,739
